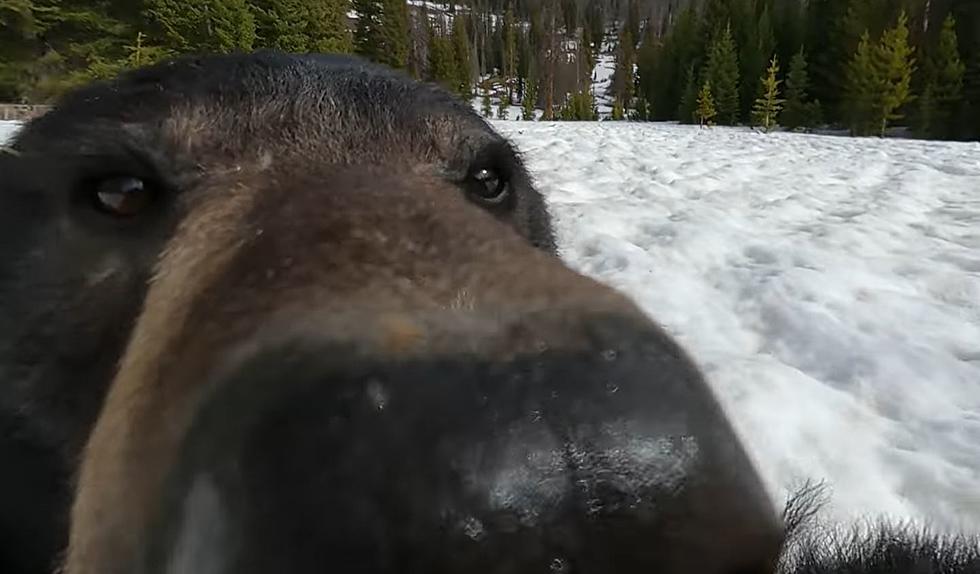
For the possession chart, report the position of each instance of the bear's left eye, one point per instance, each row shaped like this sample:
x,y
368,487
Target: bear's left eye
x,y
488,187
122,196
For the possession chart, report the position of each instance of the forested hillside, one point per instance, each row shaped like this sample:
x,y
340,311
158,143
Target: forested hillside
x,y
865,65
862,64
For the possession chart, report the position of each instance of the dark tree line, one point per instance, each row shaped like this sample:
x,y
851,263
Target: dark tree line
x,y
545,49
47,46
860,64
538,50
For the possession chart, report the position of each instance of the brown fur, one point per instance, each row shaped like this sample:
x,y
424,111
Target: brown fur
x,y
389,247
331,203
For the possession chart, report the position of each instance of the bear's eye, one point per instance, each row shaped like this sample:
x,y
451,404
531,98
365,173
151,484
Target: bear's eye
x,y
488,187
122,196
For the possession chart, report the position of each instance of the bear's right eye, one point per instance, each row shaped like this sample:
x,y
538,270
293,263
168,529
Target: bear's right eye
x,y
122,196
489,187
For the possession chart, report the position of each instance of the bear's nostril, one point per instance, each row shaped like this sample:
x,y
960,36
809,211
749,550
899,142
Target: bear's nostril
x,y
559,565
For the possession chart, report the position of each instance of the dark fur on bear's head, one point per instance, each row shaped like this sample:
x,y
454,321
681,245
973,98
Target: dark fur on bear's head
x,y
288,313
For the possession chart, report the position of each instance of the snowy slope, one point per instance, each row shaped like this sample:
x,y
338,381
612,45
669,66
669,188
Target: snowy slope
x,y
602,76
6,130
497,91
829,287
601,85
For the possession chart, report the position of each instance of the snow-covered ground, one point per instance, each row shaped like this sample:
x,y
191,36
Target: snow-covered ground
x,y
829,287
6,130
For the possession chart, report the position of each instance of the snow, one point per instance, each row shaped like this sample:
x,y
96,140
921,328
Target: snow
x,y
513,112
497,91
828,286
7,130
448,10
602,76
433,6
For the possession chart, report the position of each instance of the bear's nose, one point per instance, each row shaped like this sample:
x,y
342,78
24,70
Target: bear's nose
x,y
612,459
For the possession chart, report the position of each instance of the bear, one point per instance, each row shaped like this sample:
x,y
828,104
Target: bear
x,y
281,313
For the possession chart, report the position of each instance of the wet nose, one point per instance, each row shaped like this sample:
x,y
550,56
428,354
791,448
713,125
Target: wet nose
x,y
610,458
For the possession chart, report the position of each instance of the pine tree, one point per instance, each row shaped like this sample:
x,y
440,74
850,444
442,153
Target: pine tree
x,y
874,17
393,34
767,105
550,49
327,26
569,10
588,49
382,31
862,88
797,112
716,16
510,51
706,105
584,59
722,74
969,113
418,42
789,29
442,61
642,111
579,106
366,38
624,82
596,22
19,35
530,98
204,26
633,20
688,107
894,66
925,117
589,111
492,58
879,79
665,77
830,53
502,107
139,53
944,86
756,47
461,54
302,25
618,111
648,60
49,46
486,107
281,24
523,64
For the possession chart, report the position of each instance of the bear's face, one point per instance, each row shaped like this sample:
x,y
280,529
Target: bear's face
x,y
95,191
279,312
